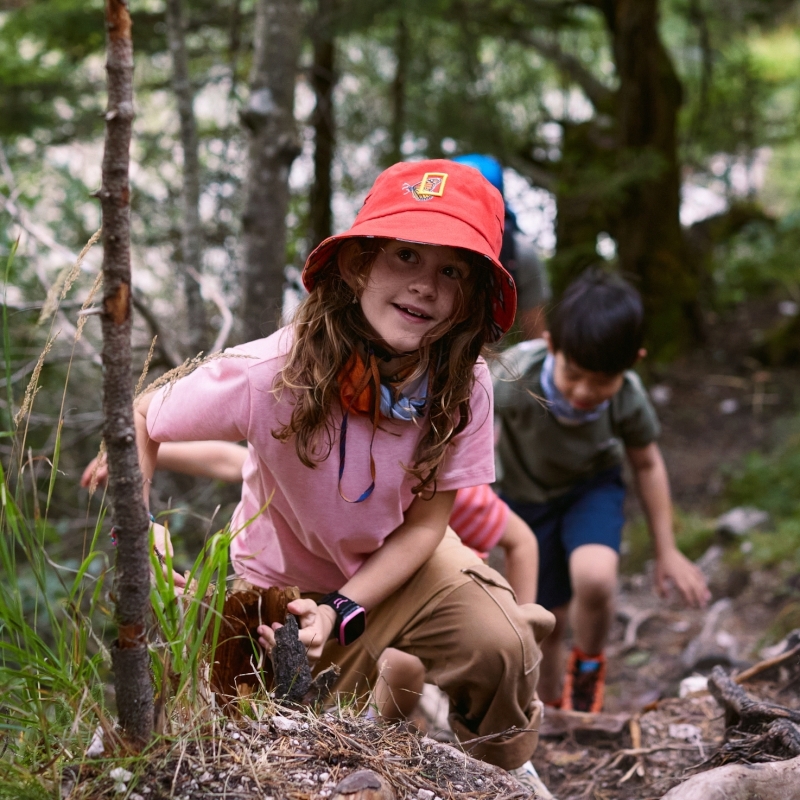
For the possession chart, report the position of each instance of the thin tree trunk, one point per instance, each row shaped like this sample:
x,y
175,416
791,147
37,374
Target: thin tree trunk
x,y
323,81
399,90
130,658
649,236
273,146
191,232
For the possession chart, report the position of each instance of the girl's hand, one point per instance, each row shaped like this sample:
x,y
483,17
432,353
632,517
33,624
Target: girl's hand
x,y
316,624
163,545
687,577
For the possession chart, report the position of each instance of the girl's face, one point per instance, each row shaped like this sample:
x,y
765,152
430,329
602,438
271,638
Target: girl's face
x,y
411,289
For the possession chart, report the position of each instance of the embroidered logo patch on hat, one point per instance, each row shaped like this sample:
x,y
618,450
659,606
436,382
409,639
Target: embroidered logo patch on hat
x,y
431,185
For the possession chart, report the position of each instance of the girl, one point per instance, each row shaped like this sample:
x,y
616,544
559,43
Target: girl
x,y
362,419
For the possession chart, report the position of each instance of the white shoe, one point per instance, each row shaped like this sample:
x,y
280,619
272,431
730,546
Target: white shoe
x,y
529,778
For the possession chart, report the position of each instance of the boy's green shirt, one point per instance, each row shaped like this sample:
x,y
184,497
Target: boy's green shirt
x,y
541,459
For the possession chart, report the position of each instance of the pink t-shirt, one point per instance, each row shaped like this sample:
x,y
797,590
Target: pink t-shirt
x,y
302,532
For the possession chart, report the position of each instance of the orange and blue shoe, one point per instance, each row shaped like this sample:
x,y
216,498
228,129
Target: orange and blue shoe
x,y
584,683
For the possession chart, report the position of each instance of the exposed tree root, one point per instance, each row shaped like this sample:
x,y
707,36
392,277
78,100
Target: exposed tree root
x,y
779,780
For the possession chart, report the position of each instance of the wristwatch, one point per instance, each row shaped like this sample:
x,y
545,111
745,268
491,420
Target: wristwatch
x,y
351,619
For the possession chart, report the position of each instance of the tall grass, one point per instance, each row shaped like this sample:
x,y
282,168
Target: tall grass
x,y
56,624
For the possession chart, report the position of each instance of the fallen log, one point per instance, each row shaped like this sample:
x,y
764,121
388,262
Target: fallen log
x,y
777,780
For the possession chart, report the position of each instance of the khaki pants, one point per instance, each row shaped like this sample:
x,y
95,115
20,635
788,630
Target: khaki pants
x,y
460,618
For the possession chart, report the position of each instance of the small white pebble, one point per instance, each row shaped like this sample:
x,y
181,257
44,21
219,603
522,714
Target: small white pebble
x,y
425,794
323,776
236,735
135,796
206,777
121,775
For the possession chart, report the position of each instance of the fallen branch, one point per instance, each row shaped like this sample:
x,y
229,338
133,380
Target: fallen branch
x,y
740,709
210,291
768,663
634,619
165,353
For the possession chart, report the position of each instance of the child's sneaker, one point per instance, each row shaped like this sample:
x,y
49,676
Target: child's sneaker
x,y
529,778
584,683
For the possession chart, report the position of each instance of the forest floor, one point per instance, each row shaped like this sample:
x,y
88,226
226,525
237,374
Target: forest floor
x,y
715,406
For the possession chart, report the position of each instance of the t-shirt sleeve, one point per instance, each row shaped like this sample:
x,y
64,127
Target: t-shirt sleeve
x,y
479,517
633,415
470,457
213,402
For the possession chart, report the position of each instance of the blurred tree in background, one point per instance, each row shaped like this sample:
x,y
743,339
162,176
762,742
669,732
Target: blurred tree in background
x,y
656,136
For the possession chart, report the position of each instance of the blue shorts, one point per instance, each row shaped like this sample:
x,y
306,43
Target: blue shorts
x,y
589,513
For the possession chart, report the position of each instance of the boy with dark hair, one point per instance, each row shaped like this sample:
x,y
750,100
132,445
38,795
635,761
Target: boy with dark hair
x,y
569,411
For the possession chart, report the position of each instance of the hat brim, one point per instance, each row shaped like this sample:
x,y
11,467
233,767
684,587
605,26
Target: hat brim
x,y
421,226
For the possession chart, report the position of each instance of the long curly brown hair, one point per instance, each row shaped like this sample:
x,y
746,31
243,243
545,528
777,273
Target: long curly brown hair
x,y
328,328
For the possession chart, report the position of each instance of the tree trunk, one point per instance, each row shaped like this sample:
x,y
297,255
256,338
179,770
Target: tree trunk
x,y
191,233
585,204
273,146
399,90
649,238
130,658
323,81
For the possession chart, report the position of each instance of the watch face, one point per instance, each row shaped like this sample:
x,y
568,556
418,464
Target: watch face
x,y
352,626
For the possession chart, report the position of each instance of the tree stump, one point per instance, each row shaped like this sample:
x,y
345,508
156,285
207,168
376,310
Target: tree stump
x,y
239,663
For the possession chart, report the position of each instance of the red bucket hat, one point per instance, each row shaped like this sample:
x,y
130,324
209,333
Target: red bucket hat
x,y
435,202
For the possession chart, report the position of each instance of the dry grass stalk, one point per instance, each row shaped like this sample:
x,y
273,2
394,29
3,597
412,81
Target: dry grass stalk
x,y
33,384
101,458
188,366
146,367
63,283
98,282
